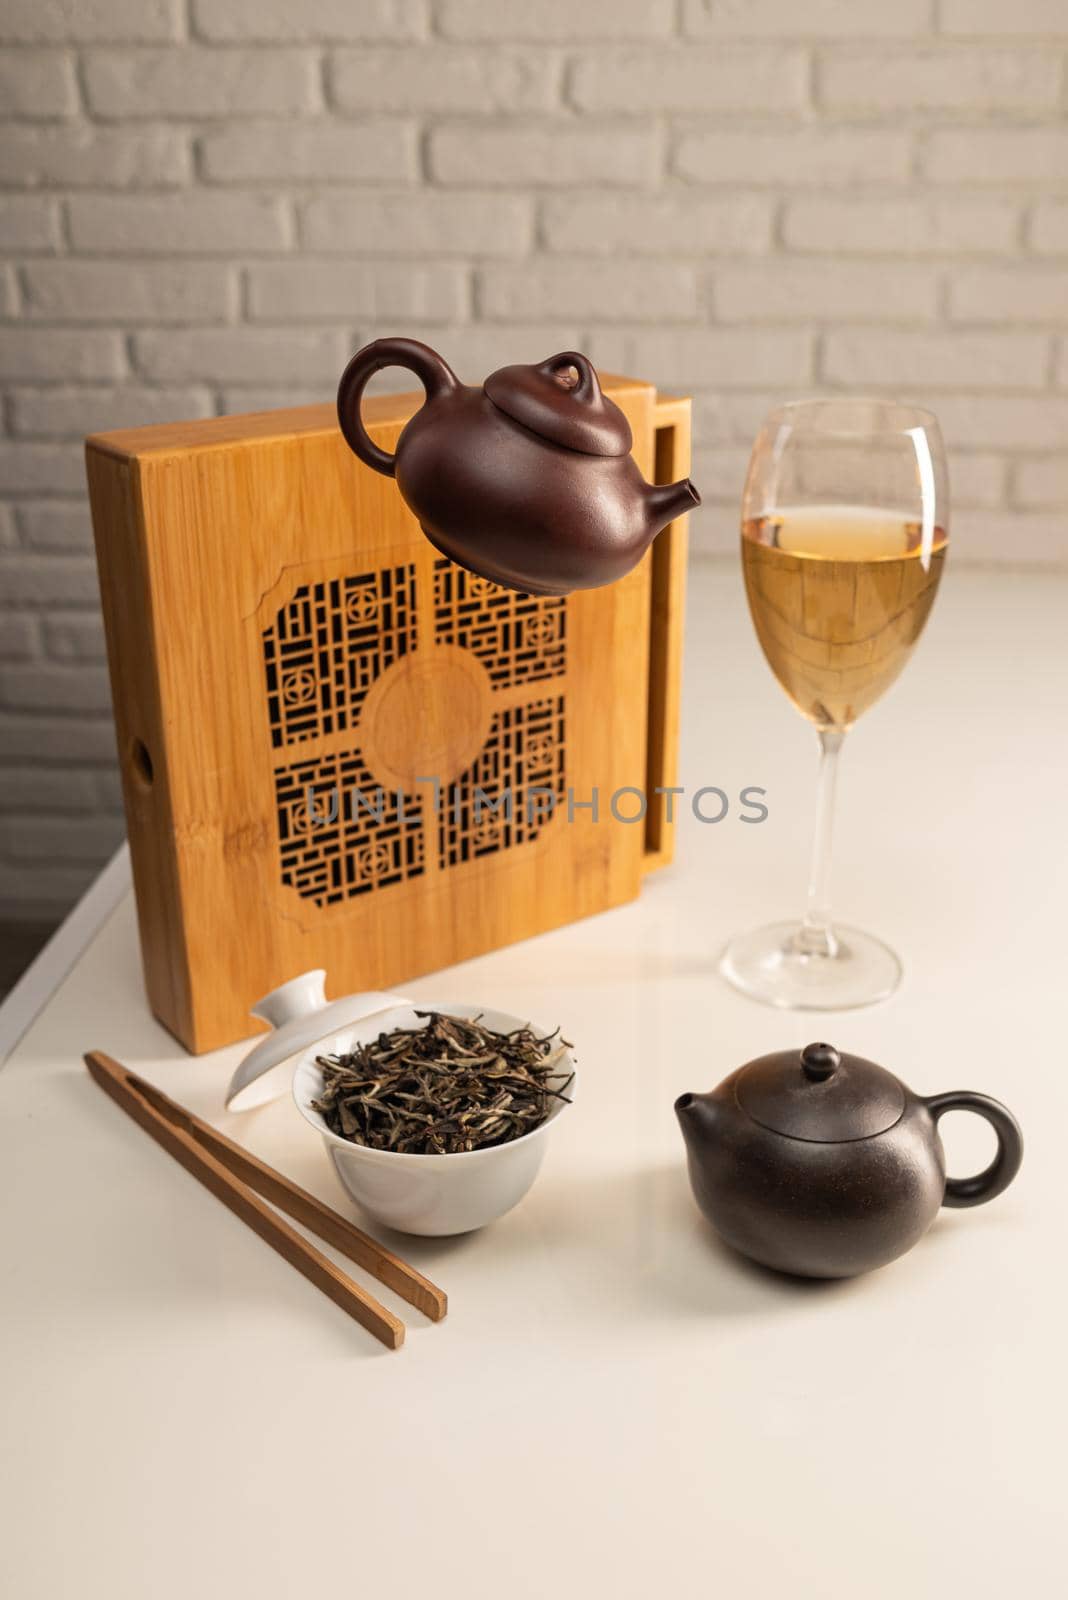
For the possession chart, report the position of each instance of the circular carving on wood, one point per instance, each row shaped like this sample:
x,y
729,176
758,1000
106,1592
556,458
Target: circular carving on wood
x,y
428,716
374,861
301,687
362,605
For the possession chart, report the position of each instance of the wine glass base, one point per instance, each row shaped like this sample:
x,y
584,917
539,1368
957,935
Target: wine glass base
x,y
767,965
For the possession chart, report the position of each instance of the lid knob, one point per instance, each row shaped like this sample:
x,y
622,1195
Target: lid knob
x,y
819,1061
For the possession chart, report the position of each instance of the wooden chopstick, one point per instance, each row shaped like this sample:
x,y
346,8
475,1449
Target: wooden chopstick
x,y
390,1269
125,1089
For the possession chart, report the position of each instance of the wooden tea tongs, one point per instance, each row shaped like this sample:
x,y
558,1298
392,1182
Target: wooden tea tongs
x,y
232,1174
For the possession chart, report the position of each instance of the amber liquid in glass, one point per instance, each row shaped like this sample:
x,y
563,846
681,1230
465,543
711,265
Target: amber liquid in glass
x,y
839,596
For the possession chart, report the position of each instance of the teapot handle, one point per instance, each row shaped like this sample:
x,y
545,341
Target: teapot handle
x,y
1006,1163
436,376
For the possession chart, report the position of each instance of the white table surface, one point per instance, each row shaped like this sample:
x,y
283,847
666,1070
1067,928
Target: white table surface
x,y
615,1406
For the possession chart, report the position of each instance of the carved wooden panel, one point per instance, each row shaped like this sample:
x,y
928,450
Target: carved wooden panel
x,y
341,657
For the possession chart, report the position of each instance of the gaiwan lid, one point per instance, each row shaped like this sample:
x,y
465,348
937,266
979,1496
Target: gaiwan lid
x,y
820,1094
561,400
299,1015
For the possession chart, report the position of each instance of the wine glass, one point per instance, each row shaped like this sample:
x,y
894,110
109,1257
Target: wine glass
x,y
844,534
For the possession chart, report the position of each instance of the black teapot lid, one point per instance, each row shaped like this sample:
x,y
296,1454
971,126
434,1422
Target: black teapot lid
x,y
561,401
821,1095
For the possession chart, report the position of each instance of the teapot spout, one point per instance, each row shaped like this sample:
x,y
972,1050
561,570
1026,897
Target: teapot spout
x,y
697,1116
666,501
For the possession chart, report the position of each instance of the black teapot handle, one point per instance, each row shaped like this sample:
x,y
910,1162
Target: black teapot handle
x,y
436,376
1006,1163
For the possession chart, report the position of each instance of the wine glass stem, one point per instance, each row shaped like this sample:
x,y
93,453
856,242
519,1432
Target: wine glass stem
x,y
816,936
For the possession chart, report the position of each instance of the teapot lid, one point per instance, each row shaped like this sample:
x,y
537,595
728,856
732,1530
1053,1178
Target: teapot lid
x,y
819,1094
561,401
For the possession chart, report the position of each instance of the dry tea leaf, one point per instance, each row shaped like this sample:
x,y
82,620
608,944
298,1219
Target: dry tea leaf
x,y
451,1085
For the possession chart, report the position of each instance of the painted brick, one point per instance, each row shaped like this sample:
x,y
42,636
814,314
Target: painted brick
x,y
71,413
556,19
815,19
40,469
277,397
469,82
997,155
796,156
327,152
37,83
546,153
643,291
1041,483
788,291
77,157
1049,228
475,352
51,839
126,291
57,739
900,227
1008,537
1001,422
90,21
182,224
201,83
994,17
41,354
720,358
722,417
281,22
29,224
62,525
714,532
327,289
108,788
607,346
871,84
978,480
39,686
19,637
37,789
419,223
680,223
9,537
1014,293
720,471
694,80
36,581
875,358
42,890
242,355
72,637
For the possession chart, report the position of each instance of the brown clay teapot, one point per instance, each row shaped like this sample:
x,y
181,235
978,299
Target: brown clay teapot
x,y
826,1165
528,480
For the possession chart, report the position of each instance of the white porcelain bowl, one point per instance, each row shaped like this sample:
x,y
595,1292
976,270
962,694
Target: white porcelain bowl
x,y
423,1193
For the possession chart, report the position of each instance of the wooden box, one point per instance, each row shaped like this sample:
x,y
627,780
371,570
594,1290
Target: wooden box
x,y
279,631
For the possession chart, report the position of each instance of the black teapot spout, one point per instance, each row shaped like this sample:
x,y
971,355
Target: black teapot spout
x,y
698,1115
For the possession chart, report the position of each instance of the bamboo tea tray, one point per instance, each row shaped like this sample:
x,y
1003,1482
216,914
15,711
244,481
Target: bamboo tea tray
x,y
279,629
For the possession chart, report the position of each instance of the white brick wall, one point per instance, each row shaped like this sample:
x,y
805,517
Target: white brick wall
x,y
207,204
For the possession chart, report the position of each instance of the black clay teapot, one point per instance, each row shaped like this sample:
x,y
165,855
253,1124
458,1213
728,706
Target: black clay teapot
x,y
826,1165
528,480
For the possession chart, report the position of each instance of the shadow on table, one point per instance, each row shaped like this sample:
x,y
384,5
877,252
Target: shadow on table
x,y
637,1241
